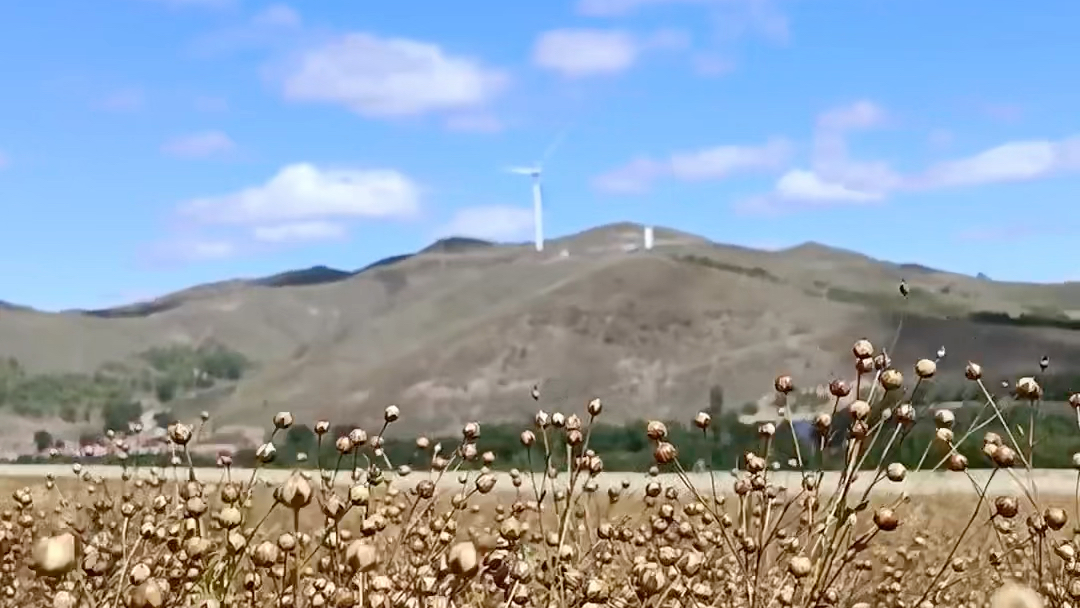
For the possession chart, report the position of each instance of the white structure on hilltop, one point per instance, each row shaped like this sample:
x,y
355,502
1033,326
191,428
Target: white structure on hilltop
x,y
535,172
649,239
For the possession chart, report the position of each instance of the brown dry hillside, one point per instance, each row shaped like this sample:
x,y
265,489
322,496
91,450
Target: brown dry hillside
x,y
457,333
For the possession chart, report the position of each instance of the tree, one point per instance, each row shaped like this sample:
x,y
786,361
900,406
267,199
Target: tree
x,y
43,440
165,389
118,414
299,438
223,363
716,401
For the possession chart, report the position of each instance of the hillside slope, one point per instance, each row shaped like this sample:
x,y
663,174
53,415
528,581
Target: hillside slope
x,y
464,330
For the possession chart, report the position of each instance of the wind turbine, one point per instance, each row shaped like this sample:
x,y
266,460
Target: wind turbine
x,y
538,202
535,172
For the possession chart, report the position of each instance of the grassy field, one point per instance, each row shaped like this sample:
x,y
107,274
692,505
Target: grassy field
x,y
564,532
474,538
656,541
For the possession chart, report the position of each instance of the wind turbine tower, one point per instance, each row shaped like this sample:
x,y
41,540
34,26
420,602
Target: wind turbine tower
x,y
535,172
538,202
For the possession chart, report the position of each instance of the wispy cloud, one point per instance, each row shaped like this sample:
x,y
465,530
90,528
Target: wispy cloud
x,y
304,192
714,163
275,26
577,53
622,8
835,178
301,203
199,145
733,19
381,77
1010,162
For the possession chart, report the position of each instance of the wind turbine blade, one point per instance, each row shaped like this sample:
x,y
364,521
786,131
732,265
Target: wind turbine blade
x,y
554,145
521,170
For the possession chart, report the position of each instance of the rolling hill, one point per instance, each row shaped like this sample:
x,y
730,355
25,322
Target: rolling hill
x,y
463,329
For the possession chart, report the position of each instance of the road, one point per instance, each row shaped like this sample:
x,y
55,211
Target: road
x,y
1048,481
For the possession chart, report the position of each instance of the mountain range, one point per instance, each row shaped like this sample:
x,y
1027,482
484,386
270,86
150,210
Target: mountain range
x,y
464,329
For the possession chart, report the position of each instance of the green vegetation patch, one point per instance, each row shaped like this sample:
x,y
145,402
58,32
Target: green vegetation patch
x,y
1056,321
755,272
918,299
114,390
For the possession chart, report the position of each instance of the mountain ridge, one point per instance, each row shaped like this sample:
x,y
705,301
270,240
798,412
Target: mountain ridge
x,y
462,330
321,273
312,275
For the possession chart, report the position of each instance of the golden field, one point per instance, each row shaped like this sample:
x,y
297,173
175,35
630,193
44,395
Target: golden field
x,y
563,532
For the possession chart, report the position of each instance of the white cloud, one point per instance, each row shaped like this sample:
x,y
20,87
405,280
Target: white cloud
x,y
590,52
803,185
277,25
1009,162
833,126
733,18
836,178
381,77
722,161
493,223
299,232
619,8
862,114
585,52
833,177
805,188
302,192
474,123
198,145
714,163
830,159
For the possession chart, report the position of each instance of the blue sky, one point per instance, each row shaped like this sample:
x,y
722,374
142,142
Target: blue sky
x,y
148,145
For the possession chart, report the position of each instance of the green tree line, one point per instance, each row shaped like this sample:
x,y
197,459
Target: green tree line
x,y
625,447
